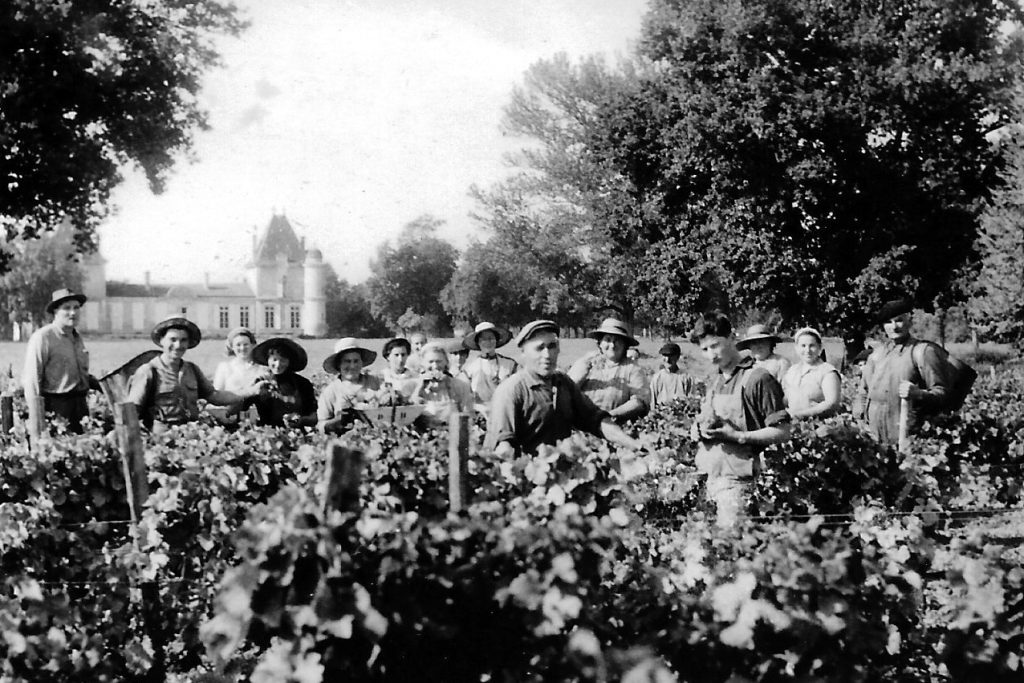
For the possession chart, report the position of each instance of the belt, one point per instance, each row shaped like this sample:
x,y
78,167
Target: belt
x,y
66,394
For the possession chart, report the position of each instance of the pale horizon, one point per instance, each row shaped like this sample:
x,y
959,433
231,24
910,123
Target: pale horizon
x,y
352,119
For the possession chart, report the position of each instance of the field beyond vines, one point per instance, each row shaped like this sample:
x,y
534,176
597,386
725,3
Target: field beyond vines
x,y
582,563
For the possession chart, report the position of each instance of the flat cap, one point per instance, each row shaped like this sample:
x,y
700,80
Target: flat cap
x,y
894,308
533,327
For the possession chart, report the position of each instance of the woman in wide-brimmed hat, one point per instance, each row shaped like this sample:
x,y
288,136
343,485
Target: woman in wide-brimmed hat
x,y
290,400
489,368
760,342
812,386
167,389
612,381
240,369
351,390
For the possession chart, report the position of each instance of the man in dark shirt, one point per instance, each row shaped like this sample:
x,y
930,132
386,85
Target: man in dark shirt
x,y
744,410
539,405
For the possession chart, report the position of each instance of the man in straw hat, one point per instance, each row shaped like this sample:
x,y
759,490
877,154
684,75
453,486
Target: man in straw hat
x,y
891,374
57,363
489,368
608,378
167,389
760,342
539,405
744,410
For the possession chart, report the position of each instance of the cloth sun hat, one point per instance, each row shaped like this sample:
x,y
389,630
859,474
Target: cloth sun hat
x,y
297,358
347,344
62,295
176,321
456,346
503,336
670,349
756,333
894,308
532,328
615,327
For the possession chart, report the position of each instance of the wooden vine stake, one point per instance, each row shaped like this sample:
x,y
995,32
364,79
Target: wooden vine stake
x,y
37,432
904,437
7,413
344,475
458,460
133,460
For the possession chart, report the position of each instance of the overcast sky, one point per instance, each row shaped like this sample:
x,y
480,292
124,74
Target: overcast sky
x,y
352,118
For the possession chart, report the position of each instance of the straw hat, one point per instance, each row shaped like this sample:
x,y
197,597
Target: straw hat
x,y
297,358
500,333
615,327
62,295
347,344
177,322
532,328
756,333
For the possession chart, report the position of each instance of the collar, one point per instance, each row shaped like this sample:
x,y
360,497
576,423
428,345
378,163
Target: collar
x,y
745,363
493,356
64,332
535,380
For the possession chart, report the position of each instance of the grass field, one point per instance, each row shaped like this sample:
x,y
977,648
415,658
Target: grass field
x,y
108,354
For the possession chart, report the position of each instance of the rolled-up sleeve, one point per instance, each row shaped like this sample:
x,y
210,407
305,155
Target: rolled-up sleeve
x,y
638,386
765,401
32,373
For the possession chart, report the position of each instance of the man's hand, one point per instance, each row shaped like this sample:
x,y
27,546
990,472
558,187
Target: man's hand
x,y
909,390
724,433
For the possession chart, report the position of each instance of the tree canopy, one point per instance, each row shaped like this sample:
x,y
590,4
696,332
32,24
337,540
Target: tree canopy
x,y
808,157
89,88
40,267
410,274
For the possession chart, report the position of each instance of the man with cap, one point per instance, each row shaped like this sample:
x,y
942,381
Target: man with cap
x,y
489,368
458,354
891,374
167,389
744,410
57,363
610,379
760,342
668,383
539,405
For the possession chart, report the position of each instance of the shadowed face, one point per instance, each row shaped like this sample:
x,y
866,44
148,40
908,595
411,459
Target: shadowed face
x,y
457,359
277,362
350,365
760,350
66,315
487,341
396,359
720,351
670,361
897,328
613,347
540,353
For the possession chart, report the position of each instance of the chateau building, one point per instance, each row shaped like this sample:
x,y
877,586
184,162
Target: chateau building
x,y
282,294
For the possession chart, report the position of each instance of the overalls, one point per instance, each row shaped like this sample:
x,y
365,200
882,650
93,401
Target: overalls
x,y
730,466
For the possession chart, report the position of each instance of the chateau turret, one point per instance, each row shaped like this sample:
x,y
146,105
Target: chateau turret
x,y
314,306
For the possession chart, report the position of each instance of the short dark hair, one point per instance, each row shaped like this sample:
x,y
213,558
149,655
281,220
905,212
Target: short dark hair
x,y
395,343
713,324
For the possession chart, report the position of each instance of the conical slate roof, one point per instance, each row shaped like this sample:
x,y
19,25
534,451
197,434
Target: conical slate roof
x,y
279,238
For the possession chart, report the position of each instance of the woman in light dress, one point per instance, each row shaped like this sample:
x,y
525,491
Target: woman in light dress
x,y
395,375
239,370
812,386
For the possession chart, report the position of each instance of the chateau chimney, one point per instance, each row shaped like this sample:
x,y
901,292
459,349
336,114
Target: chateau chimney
x,y
146,280
206,280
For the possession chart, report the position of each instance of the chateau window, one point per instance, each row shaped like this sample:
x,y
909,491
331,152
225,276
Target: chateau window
x,y
243,316
295,317
184,311
269,317
223,321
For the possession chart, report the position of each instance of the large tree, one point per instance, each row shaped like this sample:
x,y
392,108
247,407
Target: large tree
x,y
89,88
348,309
411,273
803,156
40,267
